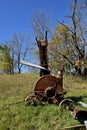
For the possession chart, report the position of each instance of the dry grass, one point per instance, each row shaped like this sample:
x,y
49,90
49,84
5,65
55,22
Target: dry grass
x,y
14,88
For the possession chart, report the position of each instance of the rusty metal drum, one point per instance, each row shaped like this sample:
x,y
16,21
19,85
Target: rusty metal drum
x,y
47,87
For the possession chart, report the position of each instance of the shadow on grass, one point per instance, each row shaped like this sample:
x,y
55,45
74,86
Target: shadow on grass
x,y
77,99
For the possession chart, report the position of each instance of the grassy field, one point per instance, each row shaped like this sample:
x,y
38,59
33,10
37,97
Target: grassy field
x,y
17,116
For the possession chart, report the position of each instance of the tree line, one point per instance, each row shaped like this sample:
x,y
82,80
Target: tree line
x,y
67,47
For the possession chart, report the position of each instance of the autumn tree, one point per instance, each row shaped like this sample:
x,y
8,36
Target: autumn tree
x,y
60,50
71,41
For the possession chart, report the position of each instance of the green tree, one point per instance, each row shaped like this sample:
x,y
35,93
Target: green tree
x,y
5,59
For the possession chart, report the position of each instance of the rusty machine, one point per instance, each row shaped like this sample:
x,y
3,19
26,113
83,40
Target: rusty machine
x,y
49,89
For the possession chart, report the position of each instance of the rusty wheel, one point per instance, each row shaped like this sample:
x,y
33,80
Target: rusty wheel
x,y
67,104
29,100
47,87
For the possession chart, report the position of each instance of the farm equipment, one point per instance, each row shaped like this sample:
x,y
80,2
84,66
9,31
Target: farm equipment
x,y
49,89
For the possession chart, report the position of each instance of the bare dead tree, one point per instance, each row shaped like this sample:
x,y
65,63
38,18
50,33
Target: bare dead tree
x,y
19,48
40,23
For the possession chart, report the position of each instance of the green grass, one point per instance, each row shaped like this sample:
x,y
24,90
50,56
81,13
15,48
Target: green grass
x,y
14,88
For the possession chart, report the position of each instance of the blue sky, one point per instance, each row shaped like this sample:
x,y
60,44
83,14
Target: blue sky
x,y
15,15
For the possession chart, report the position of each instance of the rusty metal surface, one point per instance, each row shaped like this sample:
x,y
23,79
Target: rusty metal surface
x,y
46,84
30,100
67,104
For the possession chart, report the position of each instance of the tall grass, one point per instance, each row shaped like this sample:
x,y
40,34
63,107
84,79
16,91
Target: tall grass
x,y
13,116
